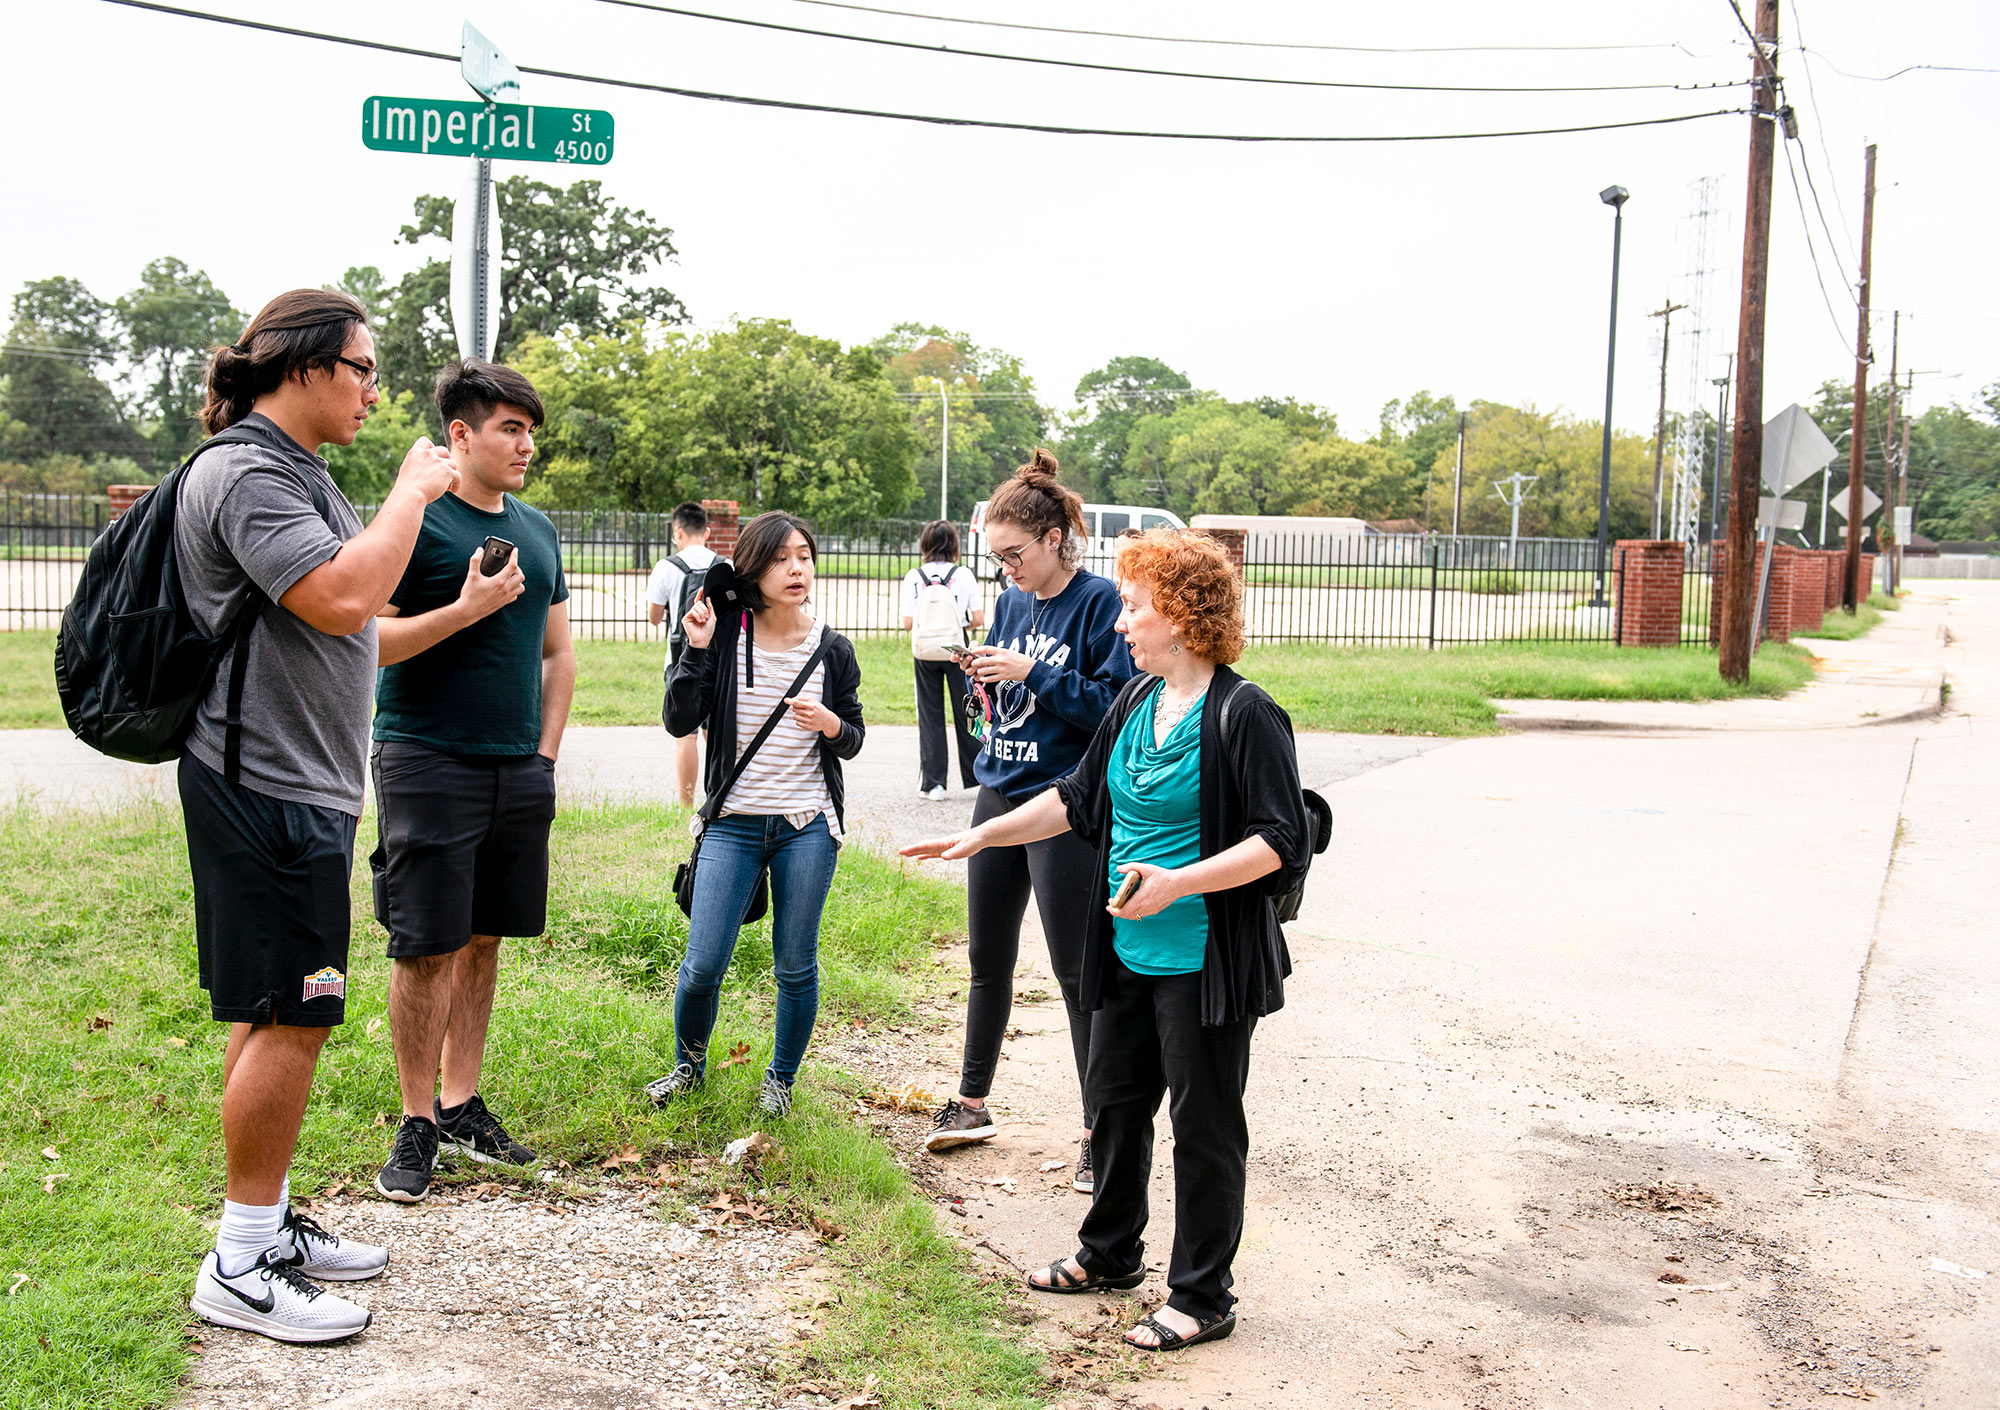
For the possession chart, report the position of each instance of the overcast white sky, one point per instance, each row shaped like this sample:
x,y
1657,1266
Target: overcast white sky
x,y
1340,274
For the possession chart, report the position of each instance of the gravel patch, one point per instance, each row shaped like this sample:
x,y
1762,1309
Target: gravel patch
x,y
618,1297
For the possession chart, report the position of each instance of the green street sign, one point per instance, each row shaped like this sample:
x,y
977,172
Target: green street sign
x,y
504,131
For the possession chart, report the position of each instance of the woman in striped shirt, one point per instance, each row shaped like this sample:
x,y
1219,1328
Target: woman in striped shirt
x,y
784,812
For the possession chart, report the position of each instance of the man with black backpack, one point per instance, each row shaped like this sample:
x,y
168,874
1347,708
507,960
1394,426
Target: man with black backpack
x,y
670,592
272,773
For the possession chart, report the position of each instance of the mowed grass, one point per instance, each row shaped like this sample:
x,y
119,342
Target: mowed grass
x,y
28,681
1371,690
1838,626
1364,690
110,1142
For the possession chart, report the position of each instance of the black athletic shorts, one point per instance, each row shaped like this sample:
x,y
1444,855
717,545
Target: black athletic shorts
x,y
271,901
464,847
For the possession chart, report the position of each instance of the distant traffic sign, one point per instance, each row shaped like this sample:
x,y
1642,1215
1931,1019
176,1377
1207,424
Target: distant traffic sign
x,y
503,131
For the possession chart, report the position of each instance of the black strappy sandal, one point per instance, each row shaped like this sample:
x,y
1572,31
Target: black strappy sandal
x,y
1214,1329
1061,1280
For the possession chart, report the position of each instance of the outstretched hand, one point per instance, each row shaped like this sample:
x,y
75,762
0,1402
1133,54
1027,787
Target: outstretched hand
x,y
949,849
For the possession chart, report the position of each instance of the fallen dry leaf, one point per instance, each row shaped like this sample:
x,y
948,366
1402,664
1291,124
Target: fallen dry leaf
x,y
1663,1197
908,1097
862,1399
738,1055
628,1156
177,1042
98,1023
51,1153
19,1279
49,1183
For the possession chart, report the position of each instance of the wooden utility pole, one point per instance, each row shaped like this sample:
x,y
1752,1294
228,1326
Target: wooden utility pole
x,y
1856,591
1746,461
1666,316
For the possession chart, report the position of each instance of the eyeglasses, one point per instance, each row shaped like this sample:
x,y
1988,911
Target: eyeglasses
x,y
371,377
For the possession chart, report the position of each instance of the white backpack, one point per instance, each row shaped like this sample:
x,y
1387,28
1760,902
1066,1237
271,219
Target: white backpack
x,y
936,626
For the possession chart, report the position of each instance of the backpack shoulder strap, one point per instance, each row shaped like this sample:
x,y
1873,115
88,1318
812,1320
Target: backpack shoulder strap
x,y
679,562
712,807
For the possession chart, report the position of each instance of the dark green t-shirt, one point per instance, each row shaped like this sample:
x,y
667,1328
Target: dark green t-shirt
x,y
479,691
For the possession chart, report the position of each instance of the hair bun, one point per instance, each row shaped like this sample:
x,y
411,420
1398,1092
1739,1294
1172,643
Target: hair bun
x,y
1041,468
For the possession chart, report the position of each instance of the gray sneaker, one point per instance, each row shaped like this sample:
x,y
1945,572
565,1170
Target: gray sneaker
x,y
774,1098
678,1083
1084,1181
957,1124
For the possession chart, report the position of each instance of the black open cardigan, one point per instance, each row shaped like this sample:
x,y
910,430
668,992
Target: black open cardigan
x,y
701,694
1249,788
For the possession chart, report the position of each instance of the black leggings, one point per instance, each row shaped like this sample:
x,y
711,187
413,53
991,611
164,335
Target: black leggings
x,y
998,880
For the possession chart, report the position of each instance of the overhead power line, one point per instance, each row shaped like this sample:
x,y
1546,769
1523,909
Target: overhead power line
x,y
1819,127
1886,77
794,105
1812,249
658,8
1262,43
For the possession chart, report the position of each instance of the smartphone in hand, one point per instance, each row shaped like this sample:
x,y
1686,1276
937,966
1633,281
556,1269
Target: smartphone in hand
x,y
493,555
1126,888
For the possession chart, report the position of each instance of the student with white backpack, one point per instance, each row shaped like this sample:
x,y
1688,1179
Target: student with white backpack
x,y
940,604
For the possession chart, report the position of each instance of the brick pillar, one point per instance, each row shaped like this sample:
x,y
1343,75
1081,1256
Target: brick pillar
x,y
1649,591
1778,602
1778,611
1867,575
1808,591
122,497
721,526
1233,541
1831,561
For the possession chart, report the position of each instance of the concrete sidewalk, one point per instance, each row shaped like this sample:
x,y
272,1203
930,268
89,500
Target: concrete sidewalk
x,y
1894,674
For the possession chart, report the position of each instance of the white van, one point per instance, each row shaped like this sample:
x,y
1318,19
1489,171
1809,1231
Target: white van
x,y
1103,523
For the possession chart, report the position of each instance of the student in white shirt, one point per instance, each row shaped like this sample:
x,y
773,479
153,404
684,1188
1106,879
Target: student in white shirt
x,y
939,546
670,592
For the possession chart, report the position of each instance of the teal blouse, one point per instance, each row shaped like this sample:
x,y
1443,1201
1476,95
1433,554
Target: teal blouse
x,y
1156,817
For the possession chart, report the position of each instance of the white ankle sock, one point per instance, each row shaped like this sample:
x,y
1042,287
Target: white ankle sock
x,y
247,1230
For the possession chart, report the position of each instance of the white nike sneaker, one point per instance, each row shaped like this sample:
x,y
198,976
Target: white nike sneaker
x,y
273,1298
327,1257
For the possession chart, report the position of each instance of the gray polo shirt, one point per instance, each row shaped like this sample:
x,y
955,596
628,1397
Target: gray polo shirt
x,y
264,516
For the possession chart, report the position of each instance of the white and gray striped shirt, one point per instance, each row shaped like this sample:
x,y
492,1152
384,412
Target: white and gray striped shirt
x,y
784,776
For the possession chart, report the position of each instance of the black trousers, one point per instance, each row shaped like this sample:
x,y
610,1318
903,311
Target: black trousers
x,y
933,678
1149,1038
998,880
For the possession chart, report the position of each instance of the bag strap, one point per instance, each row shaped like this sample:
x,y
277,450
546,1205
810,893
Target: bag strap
x,y
712,807
679,562
239,630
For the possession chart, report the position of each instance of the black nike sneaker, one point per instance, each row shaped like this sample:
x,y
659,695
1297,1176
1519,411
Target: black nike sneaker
x,y
479,1134
407,1177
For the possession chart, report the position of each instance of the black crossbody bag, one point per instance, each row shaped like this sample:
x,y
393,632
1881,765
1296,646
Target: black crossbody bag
x,y
711,808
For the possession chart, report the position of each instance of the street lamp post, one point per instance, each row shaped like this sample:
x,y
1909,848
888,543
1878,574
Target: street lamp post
x,y
944,454
1614,197
1721,415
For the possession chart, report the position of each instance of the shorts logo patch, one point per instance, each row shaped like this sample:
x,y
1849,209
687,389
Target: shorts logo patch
x,y
327,981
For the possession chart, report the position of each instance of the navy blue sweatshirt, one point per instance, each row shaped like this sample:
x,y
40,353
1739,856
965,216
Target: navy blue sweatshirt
x,y
1041,726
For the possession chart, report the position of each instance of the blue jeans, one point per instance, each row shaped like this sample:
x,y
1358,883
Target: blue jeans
x,y
734,849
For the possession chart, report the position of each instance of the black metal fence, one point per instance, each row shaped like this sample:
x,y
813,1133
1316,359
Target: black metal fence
x,y
1378,590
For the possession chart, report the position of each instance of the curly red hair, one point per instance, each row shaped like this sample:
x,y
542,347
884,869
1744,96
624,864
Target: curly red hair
x,y
1195,586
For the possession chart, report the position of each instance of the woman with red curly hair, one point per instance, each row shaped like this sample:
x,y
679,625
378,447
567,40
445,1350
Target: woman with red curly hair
x,y
1189,794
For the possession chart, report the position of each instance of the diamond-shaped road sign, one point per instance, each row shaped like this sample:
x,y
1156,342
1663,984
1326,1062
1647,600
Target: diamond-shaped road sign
x,y
1870,502
1795,450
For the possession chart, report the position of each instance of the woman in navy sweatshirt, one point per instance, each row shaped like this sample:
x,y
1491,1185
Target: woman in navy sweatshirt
x,y
1051,666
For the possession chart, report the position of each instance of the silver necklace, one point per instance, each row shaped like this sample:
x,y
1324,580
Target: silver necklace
x,y
1165,718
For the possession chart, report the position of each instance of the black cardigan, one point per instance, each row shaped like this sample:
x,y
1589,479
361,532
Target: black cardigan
x,y
1249,788
701,694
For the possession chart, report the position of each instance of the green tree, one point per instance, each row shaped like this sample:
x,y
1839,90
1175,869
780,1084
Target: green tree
x,y
996,420
1212,457
1110,401
170,322
572,262
1565,454
1416,432
56,396
754,411
1955,471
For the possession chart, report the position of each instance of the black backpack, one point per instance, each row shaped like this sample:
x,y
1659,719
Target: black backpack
x,y
1319,815
691,581
131,665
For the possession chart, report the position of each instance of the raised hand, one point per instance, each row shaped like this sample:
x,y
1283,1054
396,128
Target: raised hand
x,y
699,624
428,470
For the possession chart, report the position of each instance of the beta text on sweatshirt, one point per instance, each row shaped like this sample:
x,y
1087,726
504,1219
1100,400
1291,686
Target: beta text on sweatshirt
x,y
1042,725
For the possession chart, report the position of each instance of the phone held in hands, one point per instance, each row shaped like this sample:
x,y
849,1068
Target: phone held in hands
x,y
1125,889
493,555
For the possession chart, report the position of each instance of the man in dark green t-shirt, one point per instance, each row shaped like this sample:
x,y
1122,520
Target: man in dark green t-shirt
x,y
470,704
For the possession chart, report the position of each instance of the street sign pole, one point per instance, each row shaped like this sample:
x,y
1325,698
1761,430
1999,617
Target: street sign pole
x,y
493,77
